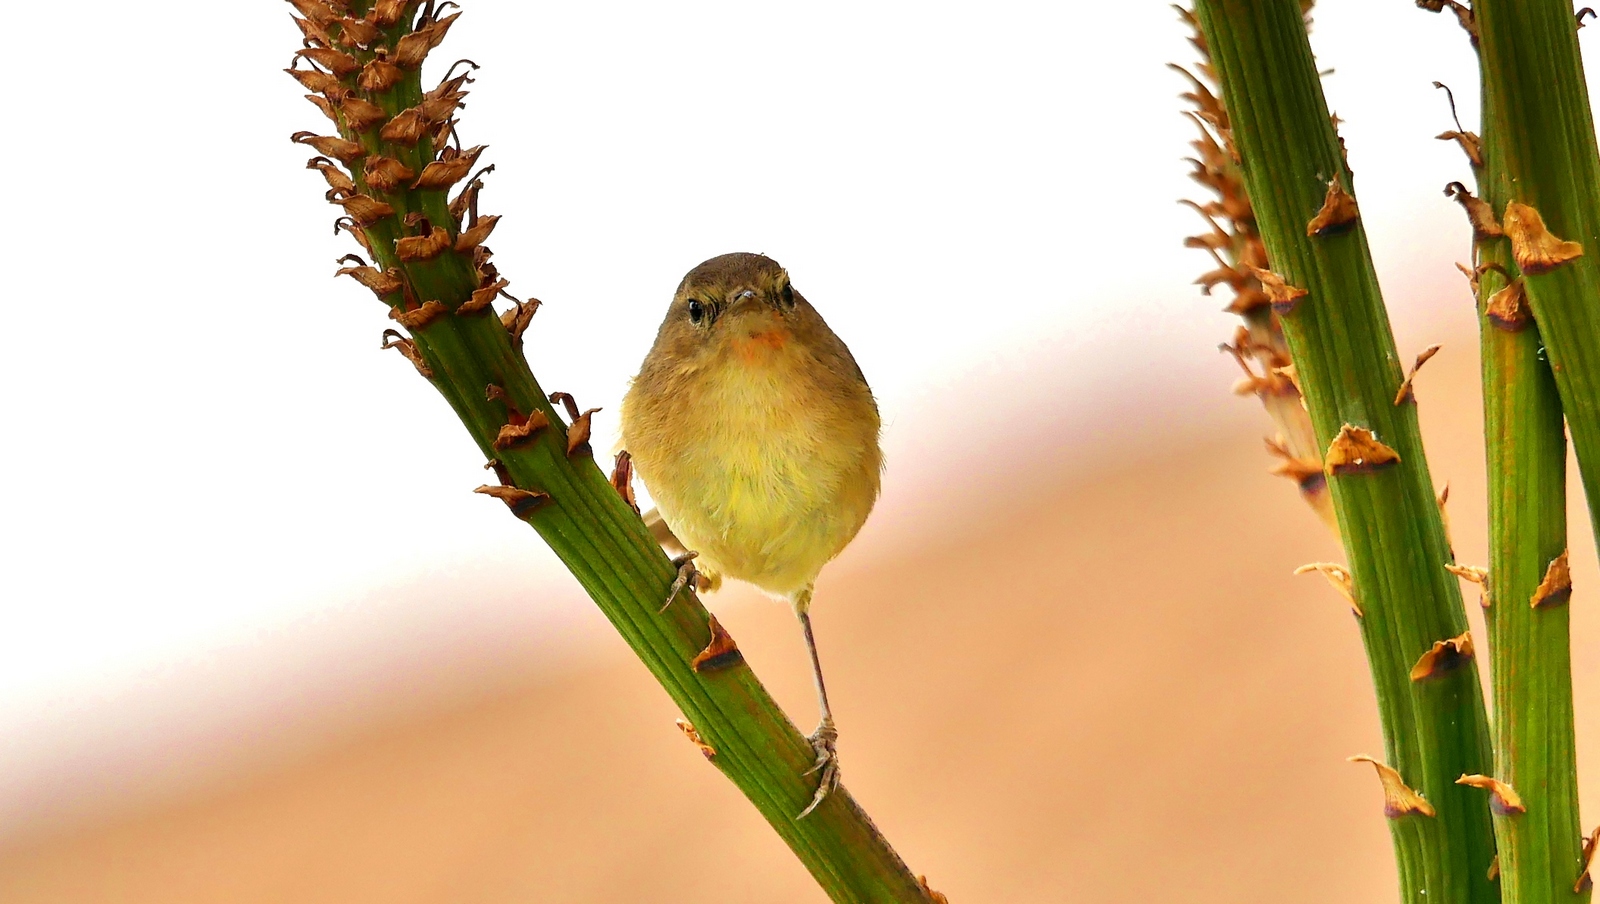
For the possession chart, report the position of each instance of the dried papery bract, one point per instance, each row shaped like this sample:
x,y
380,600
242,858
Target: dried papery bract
x,y
1356,451
1444,656
1399,801
1502,797
1536,250
1479,213
1338,577
1338,212
1556,588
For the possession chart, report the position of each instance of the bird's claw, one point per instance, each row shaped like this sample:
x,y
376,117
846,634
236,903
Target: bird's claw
x,y
824,741
687,577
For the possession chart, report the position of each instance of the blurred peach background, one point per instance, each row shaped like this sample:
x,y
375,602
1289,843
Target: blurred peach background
x,y
293,660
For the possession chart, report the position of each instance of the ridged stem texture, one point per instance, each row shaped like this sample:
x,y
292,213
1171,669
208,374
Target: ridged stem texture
x,y
1533,80
1528,615
1435,728
398,144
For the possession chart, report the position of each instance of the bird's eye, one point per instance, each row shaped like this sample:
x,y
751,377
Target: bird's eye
x,y
786,295
697,311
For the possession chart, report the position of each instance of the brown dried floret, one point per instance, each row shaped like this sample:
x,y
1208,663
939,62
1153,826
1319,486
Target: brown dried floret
x,y
1338,212
422,247
517,319
382,282
693,734
361,115
337,180
1282,295
1463,15
1470,573
1536,250
386,173
419,317
933,896
521,502
1355,451
1398,798
360,32
413,48
339,63
364,209
407,127
1503,799
519,433
379,75
622,479
341,149
1339,577
1405,393
1479,213
482,297
388,12
317,80
1471,145
393,339
318,11
474,235
448,170
719,653
1591,852
1507,309
325,105
1444,656
1556,588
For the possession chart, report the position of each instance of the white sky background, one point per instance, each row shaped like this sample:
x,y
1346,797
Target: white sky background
x,y
206,450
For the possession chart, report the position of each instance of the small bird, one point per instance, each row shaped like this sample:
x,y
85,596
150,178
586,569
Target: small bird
x,y
757,436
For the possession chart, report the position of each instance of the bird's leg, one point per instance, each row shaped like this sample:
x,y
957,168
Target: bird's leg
x,y
687,577
825,738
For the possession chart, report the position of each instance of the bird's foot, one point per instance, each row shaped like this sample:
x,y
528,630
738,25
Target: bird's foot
x,y
824,741
687,577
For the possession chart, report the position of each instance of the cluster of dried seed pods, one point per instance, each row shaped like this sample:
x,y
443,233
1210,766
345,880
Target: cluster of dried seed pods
x,y
1257,295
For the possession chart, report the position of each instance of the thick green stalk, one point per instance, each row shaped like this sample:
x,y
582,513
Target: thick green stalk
x,y
476,363
1435,729
1530,667
1533,78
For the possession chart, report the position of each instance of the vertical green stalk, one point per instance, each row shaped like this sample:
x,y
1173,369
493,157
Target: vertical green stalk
x,y
1530,667
431,268
1544,132
1333,317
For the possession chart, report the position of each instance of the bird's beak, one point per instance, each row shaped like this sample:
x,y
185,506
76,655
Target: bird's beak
x,y
746,302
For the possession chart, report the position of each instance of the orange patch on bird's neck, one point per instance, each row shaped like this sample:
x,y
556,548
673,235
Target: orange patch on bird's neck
x,y
759,346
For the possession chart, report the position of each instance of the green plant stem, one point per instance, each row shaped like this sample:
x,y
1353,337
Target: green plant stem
x,y
1530,667
1533,78
1344,356
599,537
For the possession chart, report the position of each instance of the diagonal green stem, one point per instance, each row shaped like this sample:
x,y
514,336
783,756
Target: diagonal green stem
x,y
584,519
1348,368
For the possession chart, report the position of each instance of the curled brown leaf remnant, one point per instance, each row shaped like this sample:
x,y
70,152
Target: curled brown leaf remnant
x,y
1405,393
1474,574
420,317
414,248
521,502
393,339
1479,213
933,896
1536,250
1503,799
693,734
1338,212
1463,15
719,653
1398,798
1471,145
1507,309
1356,451
512,435
1339,577
1556,588
622,479
1444,656
1282,295
1591,852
